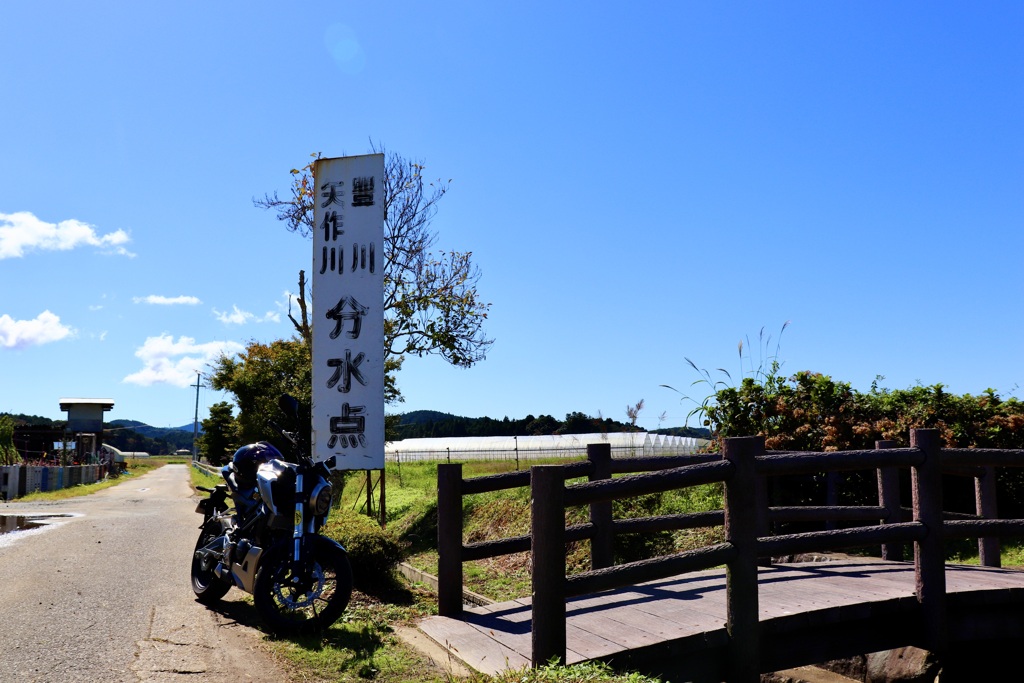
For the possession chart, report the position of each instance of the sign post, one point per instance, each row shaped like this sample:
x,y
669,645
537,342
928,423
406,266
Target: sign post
x,y
348,311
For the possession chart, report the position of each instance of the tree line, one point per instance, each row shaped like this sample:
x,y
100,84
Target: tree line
x,y
431,424
123,435
427,424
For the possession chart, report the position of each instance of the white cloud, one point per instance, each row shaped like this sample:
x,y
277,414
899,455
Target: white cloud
x,y
158,300
239,317
22,232
98,307
236,317
20,334
166,361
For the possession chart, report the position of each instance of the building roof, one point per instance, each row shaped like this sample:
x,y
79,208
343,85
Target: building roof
x,y
558,445
105,403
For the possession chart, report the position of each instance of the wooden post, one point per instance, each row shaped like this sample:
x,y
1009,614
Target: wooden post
x,y
929,553
601,542
889,498
449,540
741,524
369,493
985,505
383,504
547,532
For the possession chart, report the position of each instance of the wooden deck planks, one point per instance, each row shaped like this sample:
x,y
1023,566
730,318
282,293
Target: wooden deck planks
x,y
487,653
692,608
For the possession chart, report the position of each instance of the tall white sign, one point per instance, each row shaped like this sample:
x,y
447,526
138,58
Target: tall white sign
x,y
348,311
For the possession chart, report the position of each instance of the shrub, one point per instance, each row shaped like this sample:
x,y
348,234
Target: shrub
x,y
812,412
372,551
8,453
633,547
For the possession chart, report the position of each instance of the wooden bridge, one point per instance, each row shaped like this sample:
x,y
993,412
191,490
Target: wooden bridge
x,y
684,617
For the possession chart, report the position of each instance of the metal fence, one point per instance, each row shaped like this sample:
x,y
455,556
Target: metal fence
x,y
20,480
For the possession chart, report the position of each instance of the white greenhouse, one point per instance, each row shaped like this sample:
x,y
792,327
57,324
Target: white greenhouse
x,y
623,445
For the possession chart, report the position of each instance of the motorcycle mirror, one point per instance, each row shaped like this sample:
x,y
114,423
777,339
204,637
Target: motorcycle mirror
x,y
289,405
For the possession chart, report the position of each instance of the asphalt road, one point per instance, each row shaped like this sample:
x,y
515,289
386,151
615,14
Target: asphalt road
x,y
105,595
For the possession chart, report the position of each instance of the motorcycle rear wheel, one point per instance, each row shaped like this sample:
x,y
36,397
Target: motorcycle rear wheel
x,y
292,604
205,584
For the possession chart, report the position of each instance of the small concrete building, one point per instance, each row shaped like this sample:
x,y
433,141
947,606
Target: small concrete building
x,y
85,423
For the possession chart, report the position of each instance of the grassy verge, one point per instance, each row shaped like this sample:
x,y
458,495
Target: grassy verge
x,y
202,478
412,515
1011,552
364,645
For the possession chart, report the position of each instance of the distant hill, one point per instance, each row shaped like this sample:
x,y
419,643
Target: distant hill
x,y
35,420
132,435
696,432
125,435
153,432
418,417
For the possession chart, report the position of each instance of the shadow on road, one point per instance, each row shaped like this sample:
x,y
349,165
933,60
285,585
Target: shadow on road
x,y
238,612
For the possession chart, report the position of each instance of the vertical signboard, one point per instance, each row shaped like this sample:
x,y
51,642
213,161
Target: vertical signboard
x,y
348,311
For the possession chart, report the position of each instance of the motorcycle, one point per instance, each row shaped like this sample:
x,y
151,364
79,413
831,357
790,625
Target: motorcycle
x,y
268,542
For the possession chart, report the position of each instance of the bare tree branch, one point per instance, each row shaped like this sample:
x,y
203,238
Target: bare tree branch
x,y
431,302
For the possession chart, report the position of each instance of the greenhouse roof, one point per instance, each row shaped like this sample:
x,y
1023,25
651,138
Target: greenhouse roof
x,y
642,440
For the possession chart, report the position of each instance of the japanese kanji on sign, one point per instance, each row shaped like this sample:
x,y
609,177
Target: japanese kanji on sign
x,y
348,312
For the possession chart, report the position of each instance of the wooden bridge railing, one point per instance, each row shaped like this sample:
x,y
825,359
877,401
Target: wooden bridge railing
x,y
744,469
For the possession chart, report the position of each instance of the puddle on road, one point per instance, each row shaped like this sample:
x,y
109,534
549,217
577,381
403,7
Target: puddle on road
x,y
12,526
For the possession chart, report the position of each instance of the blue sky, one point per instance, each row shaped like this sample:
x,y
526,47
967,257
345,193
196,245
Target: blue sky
x,y
639,183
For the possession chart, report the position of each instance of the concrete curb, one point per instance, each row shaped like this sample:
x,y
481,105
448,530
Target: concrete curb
x,y
418,576
438,655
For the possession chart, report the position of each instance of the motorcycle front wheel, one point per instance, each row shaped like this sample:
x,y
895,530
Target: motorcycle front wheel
x,y
205,584
303,601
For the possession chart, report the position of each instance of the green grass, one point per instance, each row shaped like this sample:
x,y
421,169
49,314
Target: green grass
x,y
203,478
589,672
1011,552
136,467
364,646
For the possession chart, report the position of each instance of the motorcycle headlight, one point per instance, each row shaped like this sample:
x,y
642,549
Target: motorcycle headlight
x,y
320,500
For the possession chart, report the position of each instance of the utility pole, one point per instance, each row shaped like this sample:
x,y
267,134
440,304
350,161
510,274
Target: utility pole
x,y
195,423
